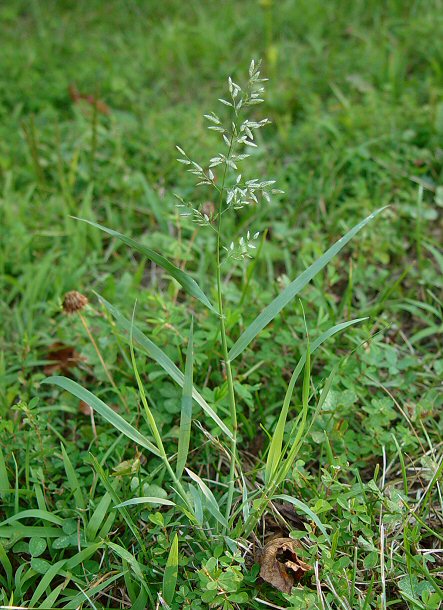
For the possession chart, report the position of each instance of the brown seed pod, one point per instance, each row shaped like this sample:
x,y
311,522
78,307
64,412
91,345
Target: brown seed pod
x,y
74,301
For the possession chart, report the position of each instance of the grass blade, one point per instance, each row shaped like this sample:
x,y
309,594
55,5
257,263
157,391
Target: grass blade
x,y
98,516
186,409
162,360
146,500
211,503
171,572
112,492
128,557
46,581
185,280
275,448
34,513
18,531
304,508
285,464
4,480
73,481
274,308
98,405
7,566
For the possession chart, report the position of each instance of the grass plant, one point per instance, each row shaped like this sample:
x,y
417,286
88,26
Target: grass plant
x,y
252,363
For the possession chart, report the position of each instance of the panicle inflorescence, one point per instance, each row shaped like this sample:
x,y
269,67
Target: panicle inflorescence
x,y
242,249
238,134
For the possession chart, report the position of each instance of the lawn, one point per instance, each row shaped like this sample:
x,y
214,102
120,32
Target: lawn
x,y
204,402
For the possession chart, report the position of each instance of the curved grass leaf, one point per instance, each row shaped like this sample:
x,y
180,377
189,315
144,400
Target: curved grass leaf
x,y
128,558
146,500
171,572
274,308
185,280
34,513
163,360
7,566
102,408
304,508
186,409
210,503
99,515
275,449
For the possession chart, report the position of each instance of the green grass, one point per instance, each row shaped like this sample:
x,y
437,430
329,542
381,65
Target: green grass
x,y
355,99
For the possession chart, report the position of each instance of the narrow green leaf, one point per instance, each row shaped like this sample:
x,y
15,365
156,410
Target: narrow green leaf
x,y
295,443
274,308
98,516
275,449
186,281
162,360
18,531
304,508
72,603
98,405
324,394
112,492
82,555
211,503
49,602
171,572
146,500
46,581
128,557
186,409
4,480
7,566
34,513
73,481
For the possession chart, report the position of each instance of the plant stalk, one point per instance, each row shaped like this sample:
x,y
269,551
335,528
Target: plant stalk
x,y
229,377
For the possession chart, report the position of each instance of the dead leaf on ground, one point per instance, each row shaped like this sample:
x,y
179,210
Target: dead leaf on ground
x,y
62,358
280,565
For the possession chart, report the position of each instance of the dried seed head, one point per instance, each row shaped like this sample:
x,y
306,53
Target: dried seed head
x,y
74,301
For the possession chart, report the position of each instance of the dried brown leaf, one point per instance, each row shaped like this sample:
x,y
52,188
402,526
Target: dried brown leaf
x,y
62,358
280,565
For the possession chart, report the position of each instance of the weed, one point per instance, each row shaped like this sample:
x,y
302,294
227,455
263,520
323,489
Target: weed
x,y
317,420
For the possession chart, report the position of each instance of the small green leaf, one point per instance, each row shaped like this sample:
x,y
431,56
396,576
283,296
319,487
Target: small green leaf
x,y
41,566
4,481
37,546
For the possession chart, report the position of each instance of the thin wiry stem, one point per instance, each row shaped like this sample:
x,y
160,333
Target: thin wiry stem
x,y
100,357
231,393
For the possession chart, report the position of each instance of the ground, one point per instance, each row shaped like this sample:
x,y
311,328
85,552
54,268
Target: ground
x,y
94,98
